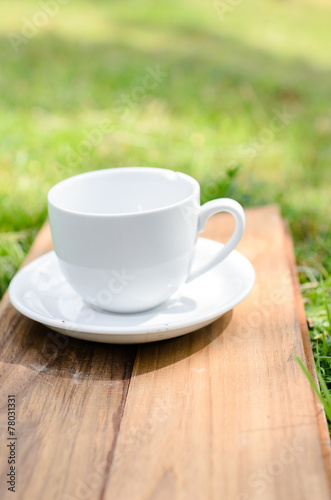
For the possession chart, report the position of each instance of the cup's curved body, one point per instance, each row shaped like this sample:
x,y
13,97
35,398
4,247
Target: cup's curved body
x,y
133,257
125,237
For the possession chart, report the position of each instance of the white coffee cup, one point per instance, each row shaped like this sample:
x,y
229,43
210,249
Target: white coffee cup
x,y
125,237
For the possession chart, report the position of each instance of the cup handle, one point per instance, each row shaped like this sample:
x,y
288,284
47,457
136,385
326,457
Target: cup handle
x,y
206,211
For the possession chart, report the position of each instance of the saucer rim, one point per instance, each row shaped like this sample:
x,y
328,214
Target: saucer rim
x,y
131,330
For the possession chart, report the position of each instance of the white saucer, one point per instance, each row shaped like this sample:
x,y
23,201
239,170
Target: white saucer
x,y
40,292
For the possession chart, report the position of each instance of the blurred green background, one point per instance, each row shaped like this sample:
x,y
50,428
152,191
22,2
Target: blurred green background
x,y
75,96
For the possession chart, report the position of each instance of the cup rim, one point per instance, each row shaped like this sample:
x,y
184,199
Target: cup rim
x,y
94,173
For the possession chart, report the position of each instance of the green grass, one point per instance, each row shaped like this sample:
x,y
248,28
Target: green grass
x,y
316,295
209,116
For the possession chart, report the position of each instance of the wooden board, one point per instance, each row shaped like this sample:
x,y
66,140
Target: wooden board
x,y
223,413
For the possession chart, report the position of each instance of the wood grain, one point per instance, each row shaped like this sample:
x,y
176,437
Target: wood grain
x,y
223,413
70,397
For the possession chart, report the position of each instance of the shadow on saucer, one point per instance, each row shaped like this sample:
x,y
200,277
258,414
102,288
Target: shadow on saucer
x,y
175,305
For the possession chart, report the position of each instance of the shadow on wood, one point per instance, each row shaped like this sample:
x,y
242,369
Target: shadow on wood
x,y
46,352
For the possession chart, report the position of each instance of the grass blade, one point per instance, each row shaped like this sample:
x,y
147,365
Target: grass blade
x,y
326,402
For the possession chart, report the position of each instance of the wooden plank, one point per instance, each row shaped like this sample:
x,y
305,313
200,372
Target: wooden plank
x,y
224,412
